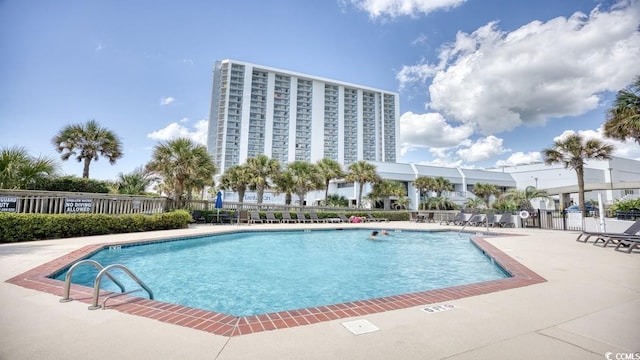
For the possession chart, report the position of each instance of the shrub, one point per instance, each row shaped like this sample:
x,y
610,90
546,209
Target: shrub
x,y
29,227
72,184
626,205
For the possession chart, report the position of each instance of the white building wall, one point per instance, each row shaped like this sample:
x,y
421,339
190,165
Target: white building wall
x,y
359,135
341,124
317,114
268,129
293,109
317,122
246,109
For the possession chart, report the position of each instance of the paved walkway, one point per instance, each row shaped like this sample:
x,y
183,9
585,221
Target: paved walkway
x,y
589,306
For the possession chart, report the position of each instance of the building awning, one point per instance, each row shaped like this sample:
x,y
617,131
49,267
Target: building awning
x,y
594,186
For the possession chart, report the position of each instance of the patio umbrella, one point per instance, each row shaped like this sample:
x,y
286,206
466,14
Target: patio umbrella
x,y
219,201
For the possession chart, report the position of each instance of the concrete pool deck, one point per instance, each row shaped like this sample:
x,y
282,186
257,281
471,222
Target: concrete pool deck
x,y
589,306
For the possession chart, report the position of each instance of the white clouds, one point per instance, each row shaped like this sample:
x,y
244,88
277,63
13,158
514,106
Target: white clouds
x,y
430,130
483,149
497,80
99,47
197,133
415,73
449,145
420,40
167,100
394,8
442,161
629,149
519,158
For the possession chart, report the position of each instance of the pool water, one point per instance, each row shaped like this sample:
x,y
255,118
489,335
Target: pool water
x,y
252,273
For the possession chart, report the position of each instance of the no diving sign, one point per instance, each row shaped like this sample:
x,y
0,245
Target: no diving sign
x,y
77,205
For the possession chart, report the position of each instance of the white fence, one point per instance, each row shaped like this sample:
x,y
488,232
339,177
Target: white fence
x,y
56,202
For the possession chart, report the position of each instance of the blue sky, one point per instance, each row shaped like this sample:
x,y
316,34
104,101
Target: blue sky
x,y
482,83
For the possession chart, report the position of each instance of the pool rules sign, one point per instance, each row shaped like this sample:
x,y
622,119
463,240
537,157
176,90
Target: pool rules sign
x,y
73,206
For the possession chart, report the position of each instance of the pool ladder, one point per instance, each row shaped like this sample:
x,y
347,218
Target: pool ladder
x,y
465,225
103,271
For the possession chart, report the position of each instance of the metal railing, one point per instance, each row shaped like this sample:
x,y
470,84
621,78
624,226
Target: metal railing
x,y
104,271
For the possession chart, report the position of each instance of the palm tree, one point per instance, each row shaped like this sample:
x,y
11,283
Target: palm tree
x,y
362,172
440,203
485,191
624,117
87,142
572,153
262,169
503,204
337,200
19,170
305,177
197,185
135,182
524,197
475,203
284,184
329,170
424,183
442,184
403,202
182,163
236,178
385,189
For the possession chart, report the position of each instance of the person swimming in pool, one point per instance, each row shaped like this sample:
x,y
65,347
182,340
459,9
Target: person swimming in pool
x,y
384,232
374,235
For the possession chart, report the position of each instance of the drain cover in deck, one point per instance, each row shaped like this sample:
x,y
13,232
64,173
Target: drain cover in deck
x,y
360,326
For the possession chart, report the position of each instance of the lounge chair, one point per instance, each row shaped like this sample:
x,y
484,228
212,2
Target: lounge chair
x,y
271,218
255,218
614,239
505,220
462,219
586,235
476,220
628,243
490,220
343,218
429,218
314,217
302,218
241,216
449,218
197,217
286,218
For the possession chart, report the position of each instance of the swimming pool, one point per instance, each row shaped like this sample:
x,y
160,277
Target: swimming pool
x,y
250,273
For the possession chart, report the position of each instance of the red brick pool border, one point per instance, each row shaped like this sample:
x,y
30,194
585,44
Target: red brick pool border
x,y
229,325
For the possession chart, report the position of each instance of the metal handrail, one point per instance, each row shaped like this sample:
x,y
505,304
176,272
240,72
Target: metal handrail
x,y
104,302
105,271
486,221
67,278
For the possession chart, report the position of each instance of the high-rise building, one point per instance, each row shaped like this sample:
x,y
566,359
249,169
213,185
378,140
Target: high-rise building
x,y
290,116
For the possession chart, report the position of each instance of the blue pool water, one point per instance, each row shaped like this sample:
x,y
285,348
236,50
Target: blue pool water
x,y
252,273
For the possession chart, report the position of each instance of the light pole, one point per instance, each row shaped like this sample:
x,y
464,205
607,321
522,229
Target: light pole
x,y
536,179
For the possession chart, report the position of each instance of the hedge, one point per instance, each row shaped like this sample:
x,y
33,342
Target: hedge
x,y
29,227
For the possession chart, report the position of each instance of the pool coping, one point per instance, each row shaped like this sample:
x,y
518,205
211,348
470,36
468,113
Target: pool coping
x,y
230,325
